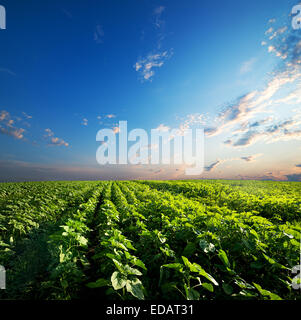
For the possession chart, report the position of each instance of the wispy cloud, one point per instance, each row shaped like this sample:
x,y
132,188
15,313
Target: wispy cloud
x,y
218,162
26,116
116,129
239,115
145,66
252,104
85,122
98,34
281,131
162,128
278,32
16,133
213,165
157,14
54,141
8,71
251,158
7,126
67,13
247,66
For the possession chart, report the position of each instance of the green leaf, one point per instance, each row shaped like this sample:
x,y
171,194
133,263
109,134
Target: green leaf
x,y
135,288
118,280
208,286
222,255
191,294
64,284
227,288
270,260
98,283
118,265
243,284
130,270
256,265
189,249
208,276
139,263
177,266
82,241
197,268
274,263
190,265
266,293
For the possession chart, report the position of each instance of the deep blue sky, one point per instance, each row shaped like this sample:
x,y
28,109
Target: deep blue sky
x,y
64,61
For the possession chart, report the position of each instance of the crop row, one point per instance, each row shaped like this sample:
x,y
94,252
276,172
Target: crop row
x,y
161,240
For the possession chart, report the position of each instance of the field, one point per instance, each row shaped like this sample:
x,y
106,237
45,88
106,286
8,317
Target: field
x,y
153,240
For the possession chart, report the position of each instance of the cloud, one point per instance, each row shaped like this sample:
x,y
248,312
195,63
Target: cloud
x,y
247,139
213,165
270,30
98,34
4,115
251,158
8,71
54,141
280,131
278,32
85,122
298,165
49,132
286,46
278,53
110,116
13,132
159,10
116,130
146,65
67,13
192,119
272,20
239,114
294,97
162,128
253,103
7,126
294,177
26,115
158,13
58,142
247,66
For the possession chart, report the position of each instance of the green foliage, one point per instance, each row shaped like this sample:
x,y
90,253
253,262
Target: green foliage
x,y
194,240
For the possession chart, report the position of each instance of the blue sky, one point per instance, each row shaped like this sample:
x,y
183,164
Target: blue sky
x,y
69,68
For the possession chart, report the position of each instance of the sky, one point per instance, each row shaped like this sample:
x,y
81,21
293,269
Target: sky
x,y
71,68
